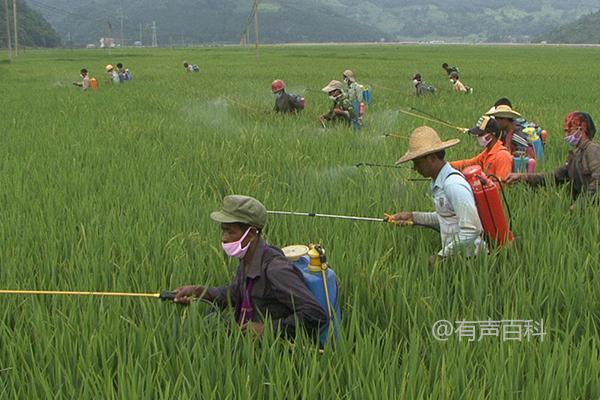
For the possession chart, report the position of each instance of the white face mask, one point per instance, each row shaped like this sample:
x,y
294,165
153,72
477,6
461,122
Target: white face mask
x,y
332,98
416,82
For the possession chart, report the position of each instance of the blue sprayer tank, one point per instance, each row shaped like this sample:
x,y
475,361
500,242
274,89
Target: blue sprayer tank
x,y
313,276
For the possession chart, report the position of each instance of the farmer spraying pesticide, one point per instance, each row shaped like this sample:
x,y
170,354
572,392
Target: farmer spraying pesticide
x,y
456,213
457,85
191,67
285,103
495,159
422,88
358,95
267,288
582,169
86,81
341,108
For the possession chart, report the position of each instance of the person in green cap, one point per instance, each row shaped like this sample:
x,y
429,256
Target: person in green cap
x,y
267,287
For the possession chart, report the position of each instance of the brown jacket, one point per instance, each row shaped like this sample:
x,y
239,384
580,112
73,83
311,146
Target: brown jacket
x,y
278,292
582,171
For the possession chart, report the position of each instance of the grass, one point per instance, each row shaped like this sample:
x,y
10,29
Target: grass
x,y
112,190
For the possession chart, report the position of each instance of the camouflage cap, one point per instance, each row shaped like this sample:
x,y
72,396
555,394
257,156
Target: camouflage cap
x,y
333,85
241,209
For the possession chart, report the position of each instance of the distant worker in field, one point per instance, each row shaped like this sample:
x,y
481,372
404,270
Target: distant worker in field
x,y
457,85
85,83
582,170
113,75
284,102
512,137
191,67
124,73
355,94
341,108
495,159
450,69
536,136
267,287
456,213
423,88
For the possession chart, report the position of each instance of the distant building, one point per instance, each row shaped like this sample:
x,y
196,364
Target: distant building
x,y
107,42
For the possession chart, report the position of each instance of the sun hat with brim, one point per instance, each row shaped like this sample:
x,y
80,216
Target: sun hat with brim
x,y
333,85
505,112
348,74
243,210
486,124
424,141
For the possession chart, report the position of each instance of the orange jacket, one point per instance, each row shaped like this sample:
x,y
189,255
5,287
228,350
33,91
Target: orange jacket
x,y
495,161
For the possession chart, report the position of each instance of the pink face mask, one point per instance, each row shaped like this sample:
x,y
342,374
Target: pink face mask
x,y
484,140
235,249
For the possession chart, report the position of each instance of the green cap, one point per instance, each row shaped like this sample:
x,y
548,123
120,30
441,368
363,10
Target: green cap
x,y
241,209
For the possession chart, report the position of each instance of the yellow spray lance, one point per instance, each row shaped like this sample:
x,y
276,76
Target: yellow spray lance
x,y
167,295
430,119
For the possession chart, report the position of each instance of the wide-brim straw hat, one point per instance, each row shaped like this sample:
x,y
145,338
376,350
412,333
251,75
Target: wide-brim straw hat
x,y
504,111
348,74
423,141
333,85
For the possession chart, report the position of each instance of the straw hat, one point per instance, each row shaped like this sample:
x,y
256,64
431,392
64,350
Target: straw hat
x,y
423,141
333,85
504,111
348,74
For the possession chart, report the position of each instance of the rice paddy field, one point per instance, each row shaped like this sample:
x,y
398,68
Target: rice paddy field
x,y
111,191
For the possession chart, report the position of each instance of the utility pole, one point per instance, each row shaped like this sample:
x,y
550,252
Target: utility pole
x,y
8,41
110,42
154,41
141,34
256,21
16,29
122,37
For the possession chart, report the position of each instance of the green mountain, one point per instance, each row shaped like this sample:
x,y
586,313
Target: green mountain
x,y
223,21
34,30
585,30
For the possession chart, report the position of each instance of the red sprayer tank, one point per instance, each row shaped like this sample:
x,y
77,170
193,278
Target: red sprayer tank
x,y
489,205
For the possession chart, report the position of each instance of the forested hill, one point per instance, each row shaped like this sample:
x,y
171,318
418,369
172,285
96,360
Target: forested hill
x,y
34,30
223,21
585,30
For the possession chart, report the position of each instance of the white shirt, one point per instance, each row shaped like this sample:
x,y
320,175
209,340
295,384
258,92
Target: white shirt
x,y
456,214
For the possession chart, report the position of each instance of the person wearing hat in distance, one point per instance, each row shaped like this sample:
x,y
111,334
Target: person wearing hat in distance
x,y
267,287
514,139
456,214
422,87
355,94
284,103
495,159
85,83
113,76
341,109
582,169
